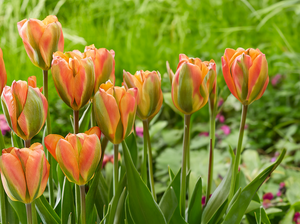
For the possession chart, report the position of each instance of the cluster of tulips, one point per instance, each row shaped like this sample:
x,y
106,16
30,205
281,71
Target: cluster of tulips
x,y
88,78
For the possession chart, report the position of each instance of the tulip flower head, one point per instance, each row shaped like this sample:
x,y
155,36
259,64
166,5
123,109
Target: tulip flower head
x,y
104,64
25,108
245,73
24,172
115,110
189,85
41,39
150,97
78,155
3,76
212,84
74,78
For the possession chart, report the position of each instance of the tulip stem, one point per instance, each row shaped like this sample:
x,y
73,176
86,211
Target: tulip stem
x,y
144,164
146,133
186,146
27,143
82,203
48,125
29,213
116,167
238,153
211,155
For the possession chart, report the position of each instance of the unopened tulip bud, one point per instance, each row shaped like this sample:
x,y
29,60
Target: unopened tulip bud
x,y
3,76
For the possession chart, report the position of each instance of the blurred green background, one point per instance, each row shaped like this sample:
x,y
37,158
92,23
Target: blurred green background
x,y
146,34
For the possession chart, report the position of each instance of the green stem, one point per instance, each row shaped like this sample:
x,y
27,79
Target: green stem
x,y
82,203
77,190
27,143
116,168
186,147
238,152
211,155
146,133
48,125
93,121
29,213
144,163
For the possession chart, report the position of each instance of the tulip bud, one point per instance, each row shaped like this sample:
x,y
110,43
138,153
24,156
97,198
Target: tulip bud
x,y
170,72
245,73
77,155
115,110
24,172
104,64
3,76
189,88
41,39
25,108
212,84
150,97
74,78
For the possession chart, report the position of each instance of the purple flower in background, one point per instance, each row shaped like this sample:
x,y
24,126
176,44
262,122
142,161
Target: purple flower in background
x,y
275,80
3,125
204,134
273,159
220,117
203,200
281,190
267,197
139,131
221,101
226,129
296,218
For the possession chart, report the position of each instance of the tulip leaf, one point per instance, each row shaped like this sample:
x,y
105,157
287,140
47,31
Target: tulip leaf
x,y
142,205
2,143
11,216
119,214
128,217
131,143
194,211
20,210
238,208
67,202
101,196
168,203
46,212
85,119
219,196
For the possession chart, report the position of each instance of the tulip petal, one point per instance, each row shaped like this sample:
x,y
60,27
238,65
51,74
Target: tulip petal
x,y
45,176
19,90
228,77
9,107
67,160
3,76
51,143
94,130
89,157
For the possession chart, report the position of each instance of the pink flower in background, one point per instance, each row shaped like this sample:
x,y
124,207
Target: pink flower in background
x,y
275,157
204,134
139,131
281,190
296,218
3,125
275,80
221,101
267,197
226,129
220,117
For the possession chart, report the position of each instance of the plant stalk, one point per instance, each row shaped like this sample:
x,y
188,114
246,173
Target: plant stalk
x,y
238,152
116,168
186,148
144,163
28,213
150,162
48,125
27,143
82,204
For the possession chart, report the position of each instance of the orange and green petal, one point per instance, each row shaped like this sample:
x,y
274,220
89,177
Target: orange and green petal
x,y
51,143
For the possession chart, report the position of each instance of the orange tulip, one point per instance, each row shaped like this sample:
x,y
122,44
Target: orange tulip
x,y
150,97
77,155
212,83
189,86
25,108
74,78
245,73
41,39
115,110
24,172
104,64
3,76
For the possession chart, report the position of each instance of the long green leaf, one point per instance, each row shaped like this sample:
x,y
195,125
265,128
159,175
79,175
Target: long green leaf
x,y
67,203
85,119
119,215
46,212
20,210
142,205
168,203
131,143
237,211
195,206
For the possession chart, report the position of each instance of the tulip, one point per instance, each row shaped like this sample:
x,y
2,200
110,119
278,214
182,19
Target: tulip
x,y
3,76
115,110
150,97
245,73
212,84
25,108
189,90
77,155
74,78
41,39
104,64
24,172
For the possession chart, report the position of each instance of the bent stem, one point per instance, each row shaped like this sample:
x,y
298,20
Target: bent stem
x,y
144,164
29,213
116,168
211,155
186,147
238,152
82,203
146,133
48,125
